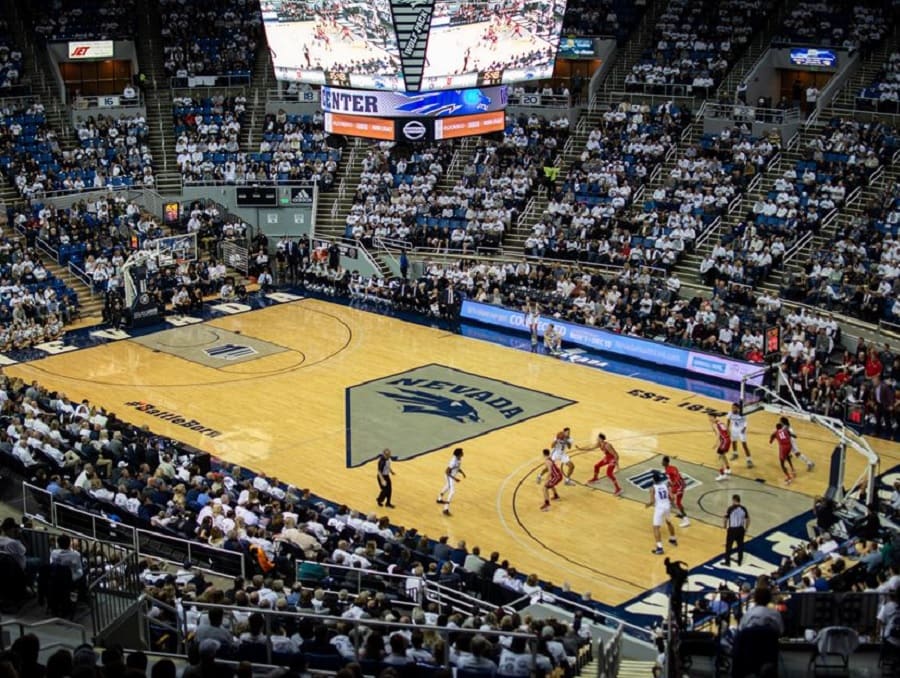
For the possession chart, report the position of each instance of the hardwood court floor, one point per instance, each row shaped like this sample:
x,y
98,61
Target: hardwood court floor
x,y
279,405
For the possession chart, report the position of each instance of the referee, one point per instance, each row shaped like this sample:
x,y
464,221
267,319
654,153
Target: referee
x,y
737,521
384,479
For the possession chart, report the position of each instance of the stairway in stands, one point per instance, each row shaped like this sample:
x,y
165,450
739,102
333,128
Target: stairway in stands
x,y
869,67
158,97
631,668
334,205
869,193
255,116
90,305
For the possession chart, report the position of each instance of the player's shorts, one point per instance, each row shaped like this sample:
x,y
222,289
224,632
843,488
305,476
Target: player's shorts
x,y
554,480
784,455
560,458
660,515
739,436
531,321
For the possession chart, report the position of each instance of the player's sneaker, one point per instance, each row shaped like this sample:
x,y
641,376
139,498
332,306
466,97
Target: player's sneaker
x,y
569,481
810,465
593,480
728,472
657,551
788,480
446,510
685,522
673,541
618,493
440,501
734,455
545,506
722,476
749,462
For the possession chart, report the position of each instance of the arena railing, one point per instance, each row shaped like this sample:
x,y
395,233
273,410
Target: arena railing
x,y
115,593
275,619
618,97
281,95
421,592
117,102
796,248
82,275
209,82
539,100
746,113
41,505
29,626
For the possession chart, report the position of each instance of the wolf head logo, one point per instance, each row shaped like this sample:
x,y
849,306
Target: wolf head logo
x,y
422,402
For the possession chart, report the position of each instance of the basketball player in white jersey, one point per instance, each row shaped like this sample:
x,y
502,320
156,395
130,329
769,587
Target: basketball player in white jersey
x,y
452,475
661,501
532,319
559,453
737,423
795,449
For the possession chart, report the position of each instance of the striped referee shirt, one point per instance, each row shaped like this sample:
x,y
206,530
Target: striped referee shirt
x,y
384,466
736,516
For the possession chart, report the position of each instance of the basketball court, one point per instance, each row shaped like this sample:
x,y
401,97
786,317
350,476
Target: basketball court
x,y
311,392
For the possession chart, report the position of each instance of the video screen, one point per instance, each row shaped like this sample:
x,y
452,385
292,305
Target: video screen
x,y
350,43
491,42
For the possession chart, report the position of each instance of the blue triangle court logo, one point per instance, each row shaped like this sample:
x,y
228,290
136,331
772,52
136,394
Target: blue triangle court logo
x,y
431,407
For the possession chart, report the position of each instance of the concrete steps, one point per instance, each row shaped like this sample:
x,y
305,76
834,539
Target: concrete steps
x,y
88,306
157,97
630,668
263,77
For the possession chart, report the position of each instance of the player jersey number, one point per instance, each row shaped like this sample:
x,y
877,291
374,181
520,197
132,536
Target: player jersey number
x,y
662,493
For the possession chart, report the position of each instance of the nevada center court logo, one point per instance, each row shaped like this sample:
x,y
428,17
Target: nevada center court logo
x,y
431,407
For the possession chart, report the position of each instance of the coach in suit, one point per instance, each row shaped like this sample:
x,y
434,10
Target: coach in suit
x,y
292,256
384,479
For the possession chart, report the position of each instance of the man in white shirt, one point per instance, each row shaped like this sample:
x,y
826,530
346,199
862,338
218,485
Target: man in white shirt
x,y
66,556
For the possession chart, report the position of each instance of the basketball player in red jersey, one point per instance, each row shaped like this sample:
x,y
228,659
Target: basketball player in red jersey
x,y
722,446
610,461
554,478
783,435
677,483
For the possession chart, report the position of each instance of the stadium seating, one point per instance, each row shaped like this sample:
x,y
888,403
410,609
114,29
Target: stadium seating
x,y
696,43
587,17
210,38
10,60
856,25
883,94
110,154
56,20
620,156
207,146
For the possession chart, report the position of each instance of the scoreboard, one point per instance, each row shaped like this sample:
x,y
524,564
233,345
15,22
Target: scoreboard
x,y
274,196
413,45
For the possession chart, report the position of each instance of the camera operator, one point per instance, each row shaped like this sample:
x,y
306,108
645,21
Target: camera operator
x,y
678,574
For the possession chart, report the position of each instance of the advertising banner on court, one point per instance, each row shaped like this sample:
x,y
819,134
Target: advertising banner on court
x,y
665,355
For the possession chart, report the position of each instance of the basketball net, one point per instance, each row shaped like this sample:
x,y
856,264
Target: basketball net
x,y
847,438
